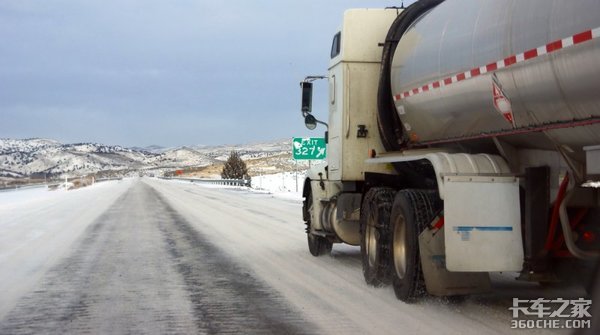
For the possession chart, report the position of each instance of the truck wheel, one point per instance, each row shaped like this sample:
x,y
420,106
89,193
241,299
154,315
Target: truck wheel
x,y
317,245
412,211
374,231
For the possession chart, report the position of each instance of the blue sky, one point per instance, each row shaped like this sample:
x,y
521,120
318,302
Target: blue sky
x,y
179,72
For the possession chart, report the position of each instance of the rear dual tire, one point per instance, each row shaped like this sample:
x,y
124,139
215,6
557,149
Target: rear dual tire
x,y
412,212
390,225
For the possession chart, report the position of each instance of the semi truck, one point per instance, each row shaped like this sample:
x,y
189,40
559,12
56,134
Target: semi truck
x,y
463,139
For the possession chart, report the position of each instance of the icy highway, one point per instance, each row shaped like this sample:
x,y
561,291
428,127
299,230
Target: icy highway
x,y
154,256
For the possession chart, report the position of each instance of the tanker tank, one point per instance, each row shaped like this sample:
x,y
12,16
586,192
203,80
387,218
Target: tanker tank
x,y
526,71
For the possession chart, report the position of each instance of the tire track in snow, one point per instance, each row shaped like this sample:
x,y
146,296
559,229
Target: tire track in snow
x,y
226,297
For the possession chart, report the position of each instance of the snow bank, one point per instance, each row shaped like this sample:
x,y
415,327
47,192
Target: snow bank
x,y
287,185
283,185
11,198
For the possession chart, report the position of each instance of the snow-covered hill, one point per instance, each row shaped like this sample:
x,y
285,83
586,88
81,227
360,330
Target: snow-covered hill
x,y
43,157
247,151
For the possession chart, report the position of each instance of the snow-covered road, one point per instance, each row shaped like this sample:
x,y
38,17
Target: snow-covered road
x,y
156,256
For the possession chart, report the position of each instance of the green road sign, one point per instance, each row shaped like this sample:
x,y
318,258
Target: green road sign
x,y
309,148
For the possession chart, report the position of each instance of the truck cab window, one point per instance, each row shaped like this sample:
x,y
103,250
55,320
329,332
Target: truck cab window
x,y
335,46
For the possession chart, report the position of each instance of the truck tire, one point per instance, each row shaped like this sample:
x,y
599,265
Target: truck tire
x,y
412,211
317,245
375,236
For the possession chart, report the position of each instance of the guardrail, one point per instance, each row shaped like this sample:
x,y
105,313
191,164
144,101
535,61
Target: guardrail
x,y
21,187
50,184
99,180
228,182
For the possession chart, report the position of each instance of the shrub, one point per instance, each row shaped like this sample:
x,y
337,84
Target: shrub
x,y
234,168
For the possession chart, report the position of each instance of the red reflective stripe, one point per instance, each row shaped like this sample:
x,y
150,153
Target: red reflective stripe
x,y
511,60
582,37
530,54
439,224
553,46
491,67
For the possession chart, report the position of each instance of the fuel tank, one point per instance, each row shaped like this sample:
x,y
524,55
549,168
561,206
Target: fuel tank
x,y
527,71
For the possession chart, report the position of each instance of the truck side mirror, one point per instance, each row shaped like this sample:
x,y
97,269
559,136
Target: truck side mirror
x,y
310,121
306,98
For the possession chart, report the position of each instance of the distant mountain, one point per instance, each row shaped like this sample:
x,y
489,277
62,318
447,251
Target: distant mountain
x,y
43,157
247,151
151,148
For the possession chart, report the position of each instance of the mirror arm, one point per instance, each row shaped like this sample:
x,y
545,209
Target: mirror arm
x,y
310,79
323,123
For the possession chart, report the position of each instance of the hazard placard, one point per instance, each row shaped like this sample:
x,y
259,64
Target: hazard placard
x,y
502,103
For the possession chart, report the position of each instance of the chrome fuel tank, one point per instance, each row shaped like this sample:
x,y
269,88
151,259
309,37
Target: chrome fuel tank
x,y
470,69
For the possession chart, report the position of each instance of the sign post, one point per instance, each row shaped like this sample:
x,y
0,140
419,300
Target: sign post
x,y
308,148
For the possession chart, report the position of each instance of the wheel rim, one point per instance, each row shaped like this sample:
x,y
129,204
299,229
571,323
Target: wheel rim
x,y
371,240
399,246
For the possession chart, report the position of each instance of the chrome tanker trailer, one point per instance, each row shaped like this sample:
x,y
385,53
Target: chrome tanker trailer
x,y
463,138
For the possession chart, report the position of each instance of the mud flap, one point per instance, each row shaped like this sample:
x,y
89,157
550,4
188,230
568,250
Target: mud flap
x,y
438,280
